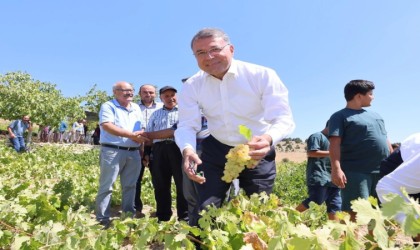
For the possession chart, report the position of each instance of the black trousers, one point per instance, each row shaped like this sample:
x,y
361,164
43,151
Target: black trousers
x,y
167,163
138,203
213,191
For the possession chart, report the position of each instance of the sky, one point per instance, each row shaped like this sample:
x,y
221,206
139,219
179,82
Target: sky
x,y
316,47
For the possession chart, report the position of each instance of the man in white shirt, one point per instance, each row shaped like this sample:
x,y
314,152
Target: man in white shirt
x,y
77,130
230,93
406,174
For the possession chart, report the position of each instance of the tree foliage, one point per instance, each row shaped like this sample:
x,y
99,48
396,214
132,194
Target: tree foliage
x,y
94,99
20,94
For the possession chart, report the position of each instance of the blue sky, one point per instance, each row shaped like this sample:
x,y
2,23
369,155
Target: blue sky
x,y
316,47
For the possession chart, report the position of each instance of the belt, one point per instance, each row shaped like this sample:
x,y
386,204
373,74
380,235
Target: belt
x,y
120,147
165,142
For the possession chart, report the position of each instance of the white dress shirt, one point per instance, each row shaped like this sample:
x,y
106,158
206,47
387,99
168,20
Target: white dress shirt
x,y
406,175
248,94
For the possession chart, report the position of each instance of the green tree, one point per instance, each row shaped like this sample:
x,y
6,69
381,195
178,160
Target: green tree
x,y
94,99
20,95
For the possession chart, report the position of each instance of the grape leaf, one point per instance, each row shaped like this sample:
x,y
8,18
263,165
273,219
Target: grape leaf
x,y
405,211
245,131
366,213
257,242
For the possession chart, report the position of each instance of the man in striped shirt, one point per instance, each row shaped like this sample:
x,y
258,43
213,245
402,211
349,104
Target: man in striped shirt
x,y
167,158
147,105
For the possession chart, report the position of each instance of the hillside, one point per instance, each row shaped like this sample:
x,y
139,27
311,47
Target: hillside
x,y
294,151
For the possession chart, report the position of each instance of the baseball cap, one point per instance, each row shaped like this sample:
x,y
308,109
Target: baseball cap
x,y
163,89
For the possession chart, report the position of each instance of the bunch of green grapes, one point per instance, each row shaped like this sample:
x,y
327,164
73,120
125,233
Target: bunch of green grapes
x,y
237,159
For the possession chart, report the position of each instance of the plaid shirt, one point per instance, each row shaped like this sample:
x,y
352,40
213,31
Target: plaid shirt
x,y
163,119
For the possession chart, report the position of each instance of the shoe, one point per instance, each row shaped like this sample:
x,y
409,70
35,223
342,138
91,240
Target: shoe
x,y
139,214
186,219
106,223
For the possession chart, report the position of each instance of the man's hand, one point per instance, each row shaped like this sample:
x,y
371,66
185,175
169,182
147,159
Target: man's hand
x,y
259,146
145,161
338,178
190,162
11,135
139,136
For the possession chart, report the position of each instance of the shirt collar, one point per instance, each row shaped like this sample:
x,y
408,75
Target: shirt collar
x,y
174,109
142,104
129,109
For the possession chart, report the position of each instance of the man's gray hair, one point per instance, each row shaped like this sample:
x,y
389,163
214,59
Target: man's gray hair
x,y
210,32
114,87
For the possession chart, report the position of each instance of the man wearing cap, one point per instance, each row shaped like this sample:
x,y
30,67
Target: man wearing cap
x,y
167,158
121,124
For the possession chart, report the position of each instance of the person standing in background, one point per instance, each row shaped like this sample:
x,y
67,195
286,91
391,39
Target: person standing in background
x,y
77,131
167,162
318,175
148,105
358,144
96,135
16,131
85,138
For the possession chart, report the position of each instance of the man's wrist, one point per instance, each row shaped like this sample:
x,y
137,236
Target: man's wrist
x,y
187,151
268,138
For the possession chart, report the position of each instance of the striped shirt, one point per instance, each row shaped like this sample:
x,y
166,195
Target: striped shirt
x,y
163,119
148,111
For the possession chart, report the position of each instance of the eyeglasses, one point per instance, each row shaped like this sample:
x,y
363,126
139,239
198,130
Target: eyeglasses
x,y
211,52
125,90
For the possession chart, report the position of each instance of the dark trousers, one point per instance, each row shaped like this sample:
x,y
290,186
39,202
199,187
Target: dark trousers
x,y
213,191
138,204
167,163
191,196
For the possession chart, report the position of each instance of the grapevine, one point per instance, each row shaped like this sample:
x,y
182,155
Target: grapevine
x,y
47,199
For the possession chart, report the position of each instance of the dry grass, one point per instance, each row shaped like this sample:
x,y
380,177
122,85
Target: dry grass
x,y
297,157
298,154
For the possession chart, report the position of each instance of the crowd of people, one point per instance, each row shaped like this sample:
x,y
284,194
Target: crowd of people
x,y
344,159
79,133
186,137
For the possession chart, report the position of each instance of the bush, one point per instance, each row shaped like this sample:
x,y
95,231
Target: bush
x,y
290,183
